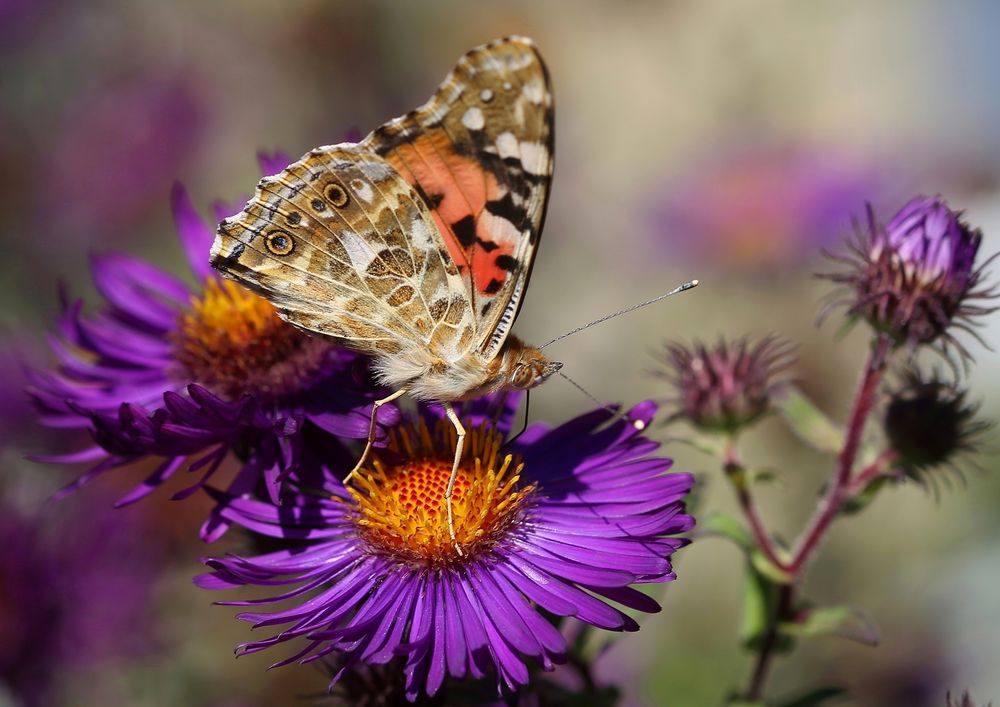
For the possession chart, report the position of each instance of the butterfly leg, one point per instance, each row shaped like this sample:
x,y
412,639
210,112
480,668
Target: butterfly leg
x,y
460,443
371,432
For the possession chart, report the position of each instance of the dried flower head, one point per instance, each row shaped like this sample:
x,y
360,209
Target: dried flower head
x,y
915,277
928,422
729,385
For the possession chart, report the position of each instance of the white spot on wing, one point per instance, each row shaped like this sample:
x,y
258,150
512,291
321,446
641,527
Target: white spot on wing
x,y
507,145
360,253
363,189
377,171
534,158
420,234
533,92
486,95
473,119
499,228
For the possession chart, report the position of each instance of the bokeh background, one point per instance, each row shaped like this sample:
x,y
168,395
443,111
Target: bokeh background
x,y
726,141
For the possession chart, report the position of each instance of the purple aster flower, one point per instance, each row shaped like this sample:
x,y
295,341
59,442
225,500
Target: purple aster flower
x,y
915,278
563,525
190,375
726,386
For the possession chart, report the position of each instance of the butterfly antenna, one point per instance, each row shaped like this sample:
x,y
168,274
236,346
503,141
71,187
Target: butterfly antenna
x,y
605,406
691,284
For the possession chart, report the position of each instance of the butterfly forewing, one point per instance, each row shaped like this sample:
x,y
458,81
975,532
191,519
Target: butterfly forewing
x,y
480,153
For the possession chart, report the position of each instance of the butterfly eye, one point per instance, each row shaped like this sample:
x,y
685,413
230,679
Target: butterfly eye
x,y
336,195
522,377
279,243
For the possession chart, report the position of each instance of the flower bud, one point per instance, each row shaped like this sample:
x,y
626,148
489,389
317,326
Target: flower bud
x,y
726,386
928,422
914,277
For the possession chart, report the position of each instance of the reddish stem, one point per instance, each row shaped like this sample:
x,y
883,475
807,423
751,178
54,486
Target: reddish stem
x,y
736,473
879,467
836,494
840,489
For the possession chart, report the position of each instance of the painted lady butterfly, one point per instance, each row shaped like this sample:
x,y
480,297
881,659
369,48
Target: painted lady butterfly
x,y
415,245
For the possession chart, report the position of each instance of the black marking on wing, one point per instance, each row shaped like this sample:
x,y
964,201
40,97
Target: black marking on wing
x,y
508,209
506,262
465,231
432,200
227,261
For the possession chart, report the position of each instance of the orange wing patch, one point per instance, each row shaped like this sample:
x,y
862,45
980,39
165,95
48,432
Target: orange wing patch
x,y
457,189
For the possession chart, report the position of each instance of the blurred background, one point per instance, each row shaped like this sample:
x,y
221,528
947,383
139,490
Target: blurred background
x,y
726,141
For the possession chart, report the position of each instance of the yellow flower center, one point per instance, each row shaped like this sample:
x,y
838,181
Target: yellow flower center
x,y
401,508
233,342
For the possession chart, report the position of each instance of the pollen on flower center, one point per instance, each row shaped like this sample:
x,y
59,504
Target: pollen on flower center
x,y
401,508
233,342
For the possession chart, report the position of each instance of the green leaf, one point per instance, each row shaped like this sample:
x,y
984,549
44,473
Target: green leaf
x,y
815,697
714,445
763,476
842,621
863,499
808,422
767,568
726,526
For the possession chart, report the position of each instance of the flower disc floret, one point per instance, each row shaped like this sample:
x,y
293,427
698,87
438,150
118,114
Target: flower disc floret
x,y
233,342
401,507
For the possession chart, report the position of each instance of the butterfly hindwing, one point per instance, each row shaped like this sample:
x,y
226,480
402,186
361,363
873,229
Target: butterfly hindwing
x,y
344,247
480,154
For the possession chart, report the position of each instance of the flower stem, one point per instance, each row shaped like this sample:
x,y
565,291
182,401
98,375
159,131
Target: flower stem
x,y
836,492
765,656
840,489
736,473
879,467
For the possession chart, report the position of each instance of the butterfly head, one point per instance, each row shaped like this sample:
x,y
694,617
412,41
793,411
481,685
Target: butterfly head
x,y
525,366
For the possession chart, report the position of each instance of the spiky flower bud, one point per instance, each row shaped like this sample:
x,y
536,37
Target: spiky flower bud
x,y
729,385
928,422
915,277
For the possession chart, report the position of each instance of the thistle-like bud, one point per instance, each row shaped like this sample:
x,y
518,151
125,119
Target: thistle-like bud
x,y
928,422
915,277
729,385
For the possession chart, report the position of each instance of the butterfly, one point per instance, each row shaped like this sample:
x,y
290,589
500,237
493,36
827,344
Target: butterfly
x,y
415,245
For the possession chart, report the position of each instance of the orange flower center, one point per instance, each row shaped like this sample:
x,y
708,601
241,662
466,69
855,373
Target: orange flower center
x,y
401,507
233,342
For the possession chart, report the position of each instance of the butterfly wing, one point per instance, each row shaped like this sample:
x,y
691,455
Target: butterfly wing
x,y
480,155
344,247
